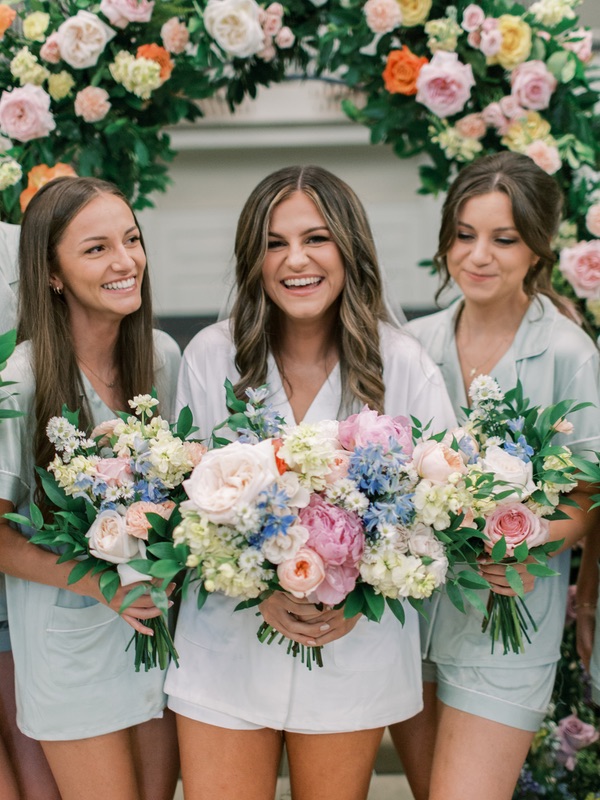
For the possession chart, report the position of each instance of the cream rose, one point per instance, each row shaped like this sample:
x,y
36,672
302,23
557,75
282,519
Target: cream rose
x,y
229,478
435,461
512,471
235,26
82,39
110,541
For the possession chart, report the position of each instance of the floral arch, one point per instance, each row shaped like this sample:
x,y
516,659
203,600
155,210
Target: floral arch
x,y
92,87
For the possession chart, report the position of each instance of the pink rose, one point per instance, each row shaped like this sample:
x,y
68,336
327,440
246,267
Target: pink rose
x,y
272,20
532,85
495,117
511,108
472,126
382,16
444,84
82,39
369,427
301,574
474,39
338,468
92,103
546,156
592,219
285,38
104,431
175,36
194,451
563,426
114,471
435,461
580,42
50,50
473,17
580,265
268,52
491,41
25,113
574,735
516,523
122,12
136,521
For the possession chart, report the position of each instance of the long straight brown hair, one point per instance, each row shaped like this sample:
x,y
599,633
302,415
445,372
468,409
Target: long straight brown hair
x,y
44,315
361,307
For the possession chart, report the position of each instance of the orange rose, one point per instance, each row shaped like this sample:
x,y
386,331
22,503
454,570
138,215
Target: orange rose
x,y
401,71
7,16
154,52
41,174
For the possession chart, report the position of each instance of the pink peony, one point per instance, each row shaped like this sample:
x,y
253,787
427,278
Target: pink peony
x,y
175,36
444,85
137,523
50,50
382,16
592,219
337,536
532,85
545,155
25,113
580,42
473,17
516,523
92,103
435,461
472,126
121,12
301,574
114,471
580,265
573,735
369,427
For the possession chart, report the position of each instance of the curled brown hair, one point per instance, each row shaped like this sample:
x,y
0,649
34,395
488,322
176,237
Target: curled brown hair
x,y
361,307
44,315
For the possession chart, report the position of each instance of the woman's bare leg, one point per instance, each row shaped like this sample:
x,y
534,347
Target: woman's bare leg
x,y
475,757
414,740
22,761
332,766
228,764
156,757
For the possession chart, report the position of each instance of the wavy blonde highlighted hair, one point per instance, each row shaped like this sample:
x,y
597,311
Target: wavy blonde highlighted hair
x,y
361,306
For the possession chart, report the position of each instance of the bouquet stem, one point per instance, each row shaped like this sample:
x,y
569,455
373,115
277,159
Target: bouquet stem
x,y
310,656
508,620
157,650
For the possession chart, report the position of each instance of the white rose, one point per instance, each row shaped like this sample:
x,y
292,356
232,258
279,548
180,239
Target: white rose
x,y
277,549
514,472
228,478
423,542
110,541
235,26
82,39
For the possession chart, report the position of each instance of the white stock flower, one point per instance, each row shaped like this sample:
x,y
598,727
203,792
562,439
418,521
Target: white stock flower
x,y
283,546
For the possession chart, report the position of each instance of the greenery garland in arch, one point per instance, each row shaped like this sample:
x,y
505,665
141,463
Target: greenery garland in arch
x,y
92,86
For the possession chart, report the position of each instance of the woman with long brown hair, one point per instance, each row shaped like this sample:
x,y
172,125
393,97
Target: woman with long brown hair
x,y
86,340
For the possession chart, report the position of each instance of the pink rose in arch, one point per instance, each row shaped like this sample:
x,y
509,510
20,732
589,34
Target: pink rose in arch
x,y
25,113
444,84
580,265
532,85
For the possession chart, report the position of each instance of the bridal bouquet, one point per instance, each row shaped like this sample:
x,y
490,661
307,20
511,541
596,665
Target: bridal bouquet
x,y
320,510
490,489
115,495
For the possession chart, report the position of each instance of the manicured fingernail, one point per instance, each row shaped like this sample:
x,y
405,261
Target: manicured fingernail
x,y
311,643
325,627
171,603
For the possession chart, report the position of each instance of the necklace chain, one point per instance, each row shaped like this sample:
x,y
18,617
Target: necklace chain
x,y
110,385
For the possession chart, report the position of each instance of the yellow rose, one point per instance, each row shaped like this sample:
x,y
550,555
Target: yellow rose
x,y
516,42
524,131
35,26
414,12
60,85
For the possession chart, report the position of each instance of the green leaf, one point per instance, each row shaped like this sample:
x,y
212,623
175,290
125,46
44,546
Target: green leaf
x,y
80,570
541,571
354,602
475,600
375,603
514,581
470,579
109,583
184,422
499,549
396,608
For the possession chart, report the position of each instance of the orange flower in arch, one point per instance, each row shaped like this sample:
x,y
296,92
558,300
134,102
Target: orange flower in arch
x,y
7,17
154,52
402,70
41,174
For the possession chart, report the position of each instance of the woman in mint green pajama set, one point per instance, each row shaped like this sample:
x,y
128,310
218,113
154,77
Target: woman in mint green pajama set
x,y
86,340
497,223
